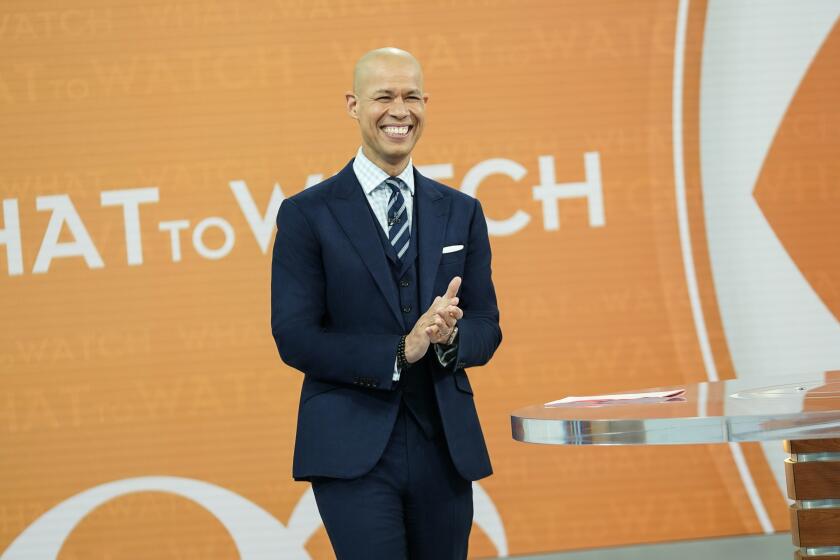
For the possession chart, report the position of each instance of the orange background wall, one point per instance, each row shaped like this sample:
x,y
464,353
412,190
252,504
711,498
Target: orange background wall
x,y
168,368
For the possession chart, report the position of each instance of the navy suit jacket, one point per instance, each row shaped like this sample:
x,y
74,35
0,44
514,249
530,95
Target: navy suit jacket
x,y
335,316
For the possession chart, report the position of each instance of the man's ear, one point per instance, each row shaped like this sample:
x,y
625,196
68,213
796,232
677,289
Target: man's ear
x,y
352,104
425,98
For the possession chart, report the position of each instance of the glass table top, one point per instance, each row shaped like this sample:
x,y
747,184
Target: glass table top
x,y
803,406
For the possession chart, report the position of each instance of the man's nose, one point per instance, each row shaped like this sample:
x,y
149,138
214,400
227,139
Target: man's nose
x,y
398,109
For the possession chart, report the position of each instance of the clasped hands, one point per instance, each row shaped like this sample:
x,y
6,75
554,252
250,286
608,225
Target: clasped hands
x,y
436,324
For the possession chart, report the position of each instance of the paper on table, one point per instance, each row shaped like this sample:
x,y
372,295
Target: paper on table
x,y
619,397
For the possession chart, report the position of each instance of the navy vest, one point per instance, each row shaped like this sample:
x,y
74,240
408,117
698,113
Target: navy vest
x,y
416,380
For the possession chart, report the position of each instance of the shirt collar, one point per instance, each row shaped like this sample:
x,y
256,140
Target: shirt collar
x,y
371,176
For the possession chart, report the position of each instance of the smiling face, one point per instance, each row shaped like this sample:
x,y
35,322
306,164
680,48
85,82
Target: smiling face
x,y
389,104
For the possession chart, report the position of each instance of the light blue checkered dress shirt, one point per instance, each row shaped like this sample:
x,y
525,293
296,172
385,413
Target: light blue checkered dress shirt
x,y
377,192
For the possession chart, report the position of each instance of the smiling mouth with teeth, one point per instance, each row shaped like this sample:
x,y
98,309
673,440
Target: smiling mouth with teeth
x,y
396,131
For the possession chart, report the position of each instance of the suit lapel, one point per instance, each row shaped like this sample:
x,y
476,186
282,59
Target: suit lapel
x,y
432,215
350,208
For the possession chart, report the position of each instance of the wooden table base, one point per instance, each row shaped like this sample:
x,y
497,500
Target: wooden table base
x,y
812,471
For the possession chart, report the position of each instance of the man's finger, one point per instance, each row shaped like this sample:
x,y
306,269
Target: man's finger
x,y
454,311
450,311
448,316
442,304
452,290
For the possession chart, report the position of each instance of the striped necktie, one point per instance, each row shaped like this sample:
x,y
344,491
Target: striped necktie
x,y
399,233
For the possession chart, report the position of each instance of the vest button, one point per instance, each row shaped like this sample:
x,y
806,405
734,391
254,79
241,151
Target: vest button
x,y
406,309
404,283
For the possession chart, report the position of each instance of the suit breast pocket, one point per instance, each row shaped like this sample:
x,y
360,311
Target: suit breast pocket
x,y
454,257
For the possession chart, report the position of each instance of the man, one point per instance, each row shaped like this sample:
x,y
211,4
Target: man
x,y
387,429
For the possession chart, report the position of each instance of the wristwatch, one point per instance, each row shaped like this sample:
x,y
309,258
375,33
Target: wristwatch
x,y
452,336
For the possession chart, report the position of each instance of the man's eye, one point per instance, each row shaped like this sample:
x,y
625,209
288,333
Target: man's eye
x,y
383,99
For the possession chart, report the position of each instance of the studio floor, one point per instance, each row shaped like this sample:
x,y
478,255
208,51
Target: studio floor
x,y
764,547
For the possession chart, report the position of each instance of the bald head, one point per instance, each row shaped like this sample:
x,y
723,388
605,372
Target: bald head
x,y
371,62
389,103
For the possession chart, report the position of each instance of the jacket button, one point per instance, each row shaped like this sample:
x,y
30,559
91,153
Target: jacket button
x,y
406,309
404,283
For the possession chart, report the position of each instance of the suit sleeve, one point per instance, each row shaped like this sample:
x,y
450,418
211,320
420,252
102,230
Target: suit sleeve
x,y
479,333
298,312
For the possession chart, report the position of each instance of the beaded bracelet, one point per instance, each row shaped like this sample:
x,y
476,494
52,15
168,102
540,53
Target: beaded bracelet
x,y
402,361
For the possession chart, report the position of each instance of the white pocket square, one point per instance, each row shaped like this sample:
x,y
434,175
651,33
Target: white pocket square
x,y
452,249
